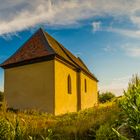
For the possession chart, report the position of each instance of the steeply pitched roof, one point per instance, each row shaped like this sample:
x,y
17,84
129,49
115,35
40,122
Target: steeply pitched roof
x,y
40,47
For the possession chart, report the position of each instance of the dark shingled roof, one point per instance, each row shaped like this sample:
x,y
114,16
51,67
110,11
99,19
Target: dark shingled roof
x,y
40,47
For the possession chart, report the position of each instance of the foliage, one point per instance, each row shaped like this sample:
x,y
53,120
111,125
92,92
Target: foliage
x,y
130,105
1,96
107,96
120,137
6,130
9,130
105,133
83,125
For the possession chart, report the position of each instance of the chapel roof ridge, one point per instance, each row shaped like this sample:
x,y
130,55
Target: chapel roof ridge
x,y
42,45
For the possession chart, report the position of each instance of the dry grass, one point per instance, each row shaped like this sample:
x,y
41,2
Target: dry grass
x,y
37,126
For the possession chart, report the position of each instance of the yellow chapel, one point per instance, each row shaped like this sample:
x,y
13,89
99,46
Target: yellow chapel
x,y
42,74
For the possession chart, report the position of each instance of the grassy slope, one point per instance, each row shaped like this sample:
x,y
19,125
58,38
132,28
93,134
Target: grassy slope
x,y
82,125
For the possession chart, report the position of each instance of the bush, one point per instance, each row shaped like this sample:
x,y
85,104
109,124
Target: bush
x,y
105,133
1,96
107,96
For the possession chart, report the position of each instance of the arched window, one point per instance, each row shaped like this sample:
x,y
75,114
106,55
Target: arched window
x,y
69,84
85,82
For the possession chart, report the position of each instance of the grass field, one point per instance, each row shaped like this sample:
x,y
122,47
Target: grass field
x,y
90,124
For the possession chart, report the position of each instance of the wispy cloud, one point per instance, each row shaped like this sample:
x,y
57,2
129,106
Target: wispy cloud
x,y
125,32
17,15
109,48
131,50
133,33
96,26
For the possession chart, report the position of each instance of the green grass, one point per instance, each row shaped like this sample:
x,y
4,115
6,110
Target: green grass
x,y
84,125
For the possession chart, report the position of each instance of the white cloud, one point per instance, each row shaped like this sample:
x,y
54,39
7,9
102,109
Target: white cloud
x,y
133,33
96,26
17,15
126,32
117,85
109,48
131,50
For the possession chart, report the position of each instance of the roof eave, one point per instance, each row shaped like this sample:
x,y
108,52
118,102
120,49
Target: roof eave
x,y
30,61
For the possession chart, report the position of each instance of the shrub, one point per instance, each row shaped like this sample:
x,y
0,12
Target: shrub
x,y
1,96
105,133
107,96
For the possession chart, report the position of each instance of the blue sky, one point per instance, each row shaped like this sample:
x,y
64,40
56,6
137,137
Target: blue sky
x,y
105,34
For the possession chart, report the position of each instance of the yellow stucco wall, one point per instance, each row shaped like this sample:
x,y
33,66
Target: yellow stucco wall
x,y
43,86
89,98
31,86
65,102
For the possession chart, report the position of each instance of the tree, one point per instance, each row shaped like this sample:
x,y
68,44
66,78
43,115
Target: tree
x,y
104,97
